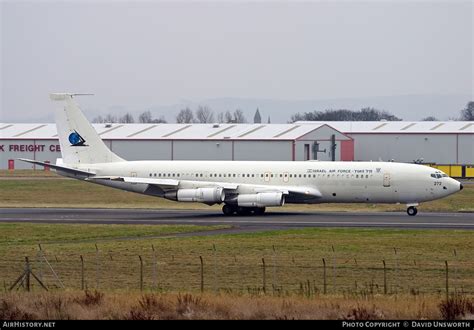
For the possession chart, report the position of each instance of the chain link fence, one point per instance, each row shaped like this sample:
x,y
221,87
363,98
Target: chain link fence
x,y
273,271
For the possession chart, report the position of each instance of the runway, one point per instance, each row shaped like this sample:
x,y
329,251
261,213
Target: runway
x,y
269,221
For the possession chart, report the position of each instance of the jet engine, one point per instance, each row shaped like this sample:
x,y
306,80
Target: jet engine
x,y
203,195
261,199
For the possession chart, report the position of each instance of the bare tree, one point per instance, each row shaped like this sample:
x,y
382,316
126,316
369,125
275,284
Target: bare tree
x,y
225,117
430,118
228,117
185,116
239,116
220,117
204,114
159,120
99,120
468,113
110,119
127,119
145,117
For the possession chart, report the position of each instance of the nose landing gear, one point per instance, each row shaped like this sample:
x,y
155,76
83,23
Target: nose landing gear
x,y
412,211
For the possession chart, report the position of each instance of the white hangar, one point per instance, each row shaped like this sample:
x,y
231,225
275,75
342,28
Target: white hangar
x,y
279,142
431,142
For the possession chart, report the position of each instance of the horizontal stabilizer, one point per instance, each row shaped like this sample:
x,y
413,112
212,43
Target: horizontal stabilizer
x,y
63,96
57,167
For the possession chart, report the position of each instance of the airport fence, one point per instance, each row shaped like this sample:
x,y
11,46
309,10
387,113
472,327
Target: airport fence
x,y
273,272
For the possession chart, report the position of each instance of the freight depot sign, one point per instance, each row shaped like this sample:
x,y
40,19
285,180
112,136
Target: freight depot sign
x,y
29,148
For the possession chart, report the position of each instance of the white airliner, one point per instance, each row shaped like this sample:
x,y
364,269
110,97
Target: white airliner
x,y
243,187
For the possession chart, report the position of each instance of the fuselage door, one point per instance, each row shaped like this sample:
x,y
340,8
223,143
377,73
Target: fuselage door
x,y
267,176
133,175
386,180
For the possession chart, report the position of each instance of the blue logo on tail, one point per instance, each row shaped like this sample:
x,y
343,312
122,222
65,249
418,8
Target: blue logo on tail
x,y
76,140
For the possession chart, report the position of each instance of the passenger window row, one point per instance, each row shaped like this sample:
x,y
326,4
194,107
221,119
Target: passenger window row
x,y
266,175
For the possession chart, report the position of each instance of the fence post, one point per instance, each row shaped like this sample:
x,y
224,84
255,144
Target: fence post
x,y
264,277
324,277
384,278
141,273
202,274
97,266
82,273
333,268
447,280
397,270
241,266
274,280
40,257
28,271
354,275
456,279
216,282
155,286
25,277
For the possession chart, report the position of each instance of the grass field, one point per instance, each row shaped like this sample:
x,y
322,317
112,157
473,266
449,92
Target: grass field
x,y
17,190
27,174
233,263
294,283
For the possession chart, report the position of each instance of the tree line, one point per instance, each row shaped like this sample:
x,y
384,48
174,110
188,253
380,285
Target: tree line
x,y
204,114
467,113
369,114
143,118
365,114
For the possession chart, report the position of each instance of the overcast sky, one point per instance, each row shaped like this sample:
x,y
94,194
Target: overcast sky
x,y
138,55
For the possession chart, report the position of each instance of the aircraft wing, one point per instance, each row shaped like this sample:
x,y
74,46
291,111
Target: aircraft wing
x,y
293,192
156,182
297,192
167,183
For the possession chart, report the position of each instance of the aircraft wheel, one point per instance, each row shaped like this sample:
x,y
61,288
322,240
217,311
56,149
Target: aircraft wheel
x,y
228,209
412,211
243,211
259,211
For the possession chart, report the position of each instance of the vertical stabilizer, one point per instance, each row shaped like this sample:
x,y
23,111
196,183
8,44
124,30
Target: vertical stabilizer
x,y
80,143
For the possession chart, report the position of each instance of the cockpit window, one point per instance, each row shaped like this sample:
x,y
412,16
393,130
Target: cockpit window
x,y
438,175
444,175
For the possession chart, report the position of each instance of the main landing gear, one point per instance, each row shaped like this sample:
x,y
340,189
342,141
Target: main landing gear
x,y
412,211
229,210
